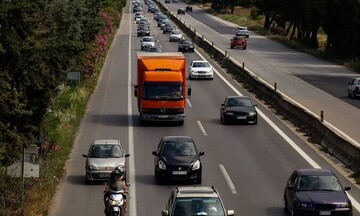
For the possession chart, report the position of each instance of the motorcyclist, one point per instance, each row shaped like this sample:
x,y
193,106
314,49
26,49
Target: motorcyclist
x,y
116,183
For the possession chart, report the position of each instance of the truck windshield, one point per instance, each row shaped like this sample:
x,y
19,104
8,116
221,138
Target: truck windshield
x,y
172,91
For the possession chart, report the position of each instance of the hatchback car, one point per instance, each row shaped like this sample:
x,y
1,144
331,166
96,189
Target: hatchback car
x,y
189,8
102,158
238,42
238,109
147,42
181,11
176,36
187,200
316,192
186,45
242,31
177,158
201,69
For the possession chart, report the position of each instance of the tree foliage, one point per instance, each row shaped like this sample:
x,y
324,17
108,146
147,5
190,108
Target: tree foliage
x,y
39,42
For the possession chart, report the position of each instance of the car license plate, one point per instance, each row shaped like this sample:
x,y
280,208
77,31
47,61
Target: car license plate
x,y
179,172
241,117
325,213
163,116
106,175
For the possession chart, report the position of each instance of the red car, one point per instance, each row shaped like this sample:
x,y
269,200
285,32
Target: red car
x,y
238,41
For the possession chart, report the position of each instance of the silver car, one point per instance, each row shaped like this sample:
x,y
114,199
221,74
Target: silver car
x,y
103,157
176,36
201,69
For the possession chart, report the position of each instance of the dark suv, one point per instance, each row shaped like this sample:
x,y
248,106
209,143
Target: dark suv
x,y
195,201
177,158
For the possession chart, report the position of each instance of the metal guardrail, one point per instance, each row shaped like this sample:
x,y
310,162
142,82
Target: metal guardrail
x,y
331,139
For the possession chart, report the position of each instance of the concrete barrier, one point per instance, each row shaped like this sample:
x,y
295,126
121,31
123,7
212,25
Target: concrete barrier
x,y
330,139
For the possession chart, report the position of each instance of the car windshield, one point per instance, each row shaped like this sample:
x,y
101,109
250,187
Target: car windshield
x,y
319,183
198,206
201,64
105,151
186,42
176,32
238,102
175,148
157,90
148,39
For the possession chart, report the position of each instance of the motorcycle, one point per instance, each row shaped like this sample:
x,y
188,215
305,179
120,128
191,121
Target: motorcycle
x,y
115,203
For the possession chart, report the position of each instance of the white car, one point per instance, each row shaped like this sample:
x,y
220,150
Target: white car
x,y
201,69
242,31
147,42
176,35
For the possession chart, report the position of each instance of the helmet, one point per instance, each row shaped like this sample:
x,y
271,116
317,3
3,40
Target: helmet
x,y
120,169
115,175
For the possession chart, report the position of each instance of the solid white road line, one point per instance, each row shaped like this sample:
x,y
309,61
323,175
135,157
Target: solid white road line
x,y
228,179
132,190
201,127
307,158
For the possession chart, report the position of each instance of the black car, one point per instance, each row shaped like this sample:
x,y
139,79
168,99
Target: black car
x,y
186,45
181,11
177,158
238,109
143,31
168,28
311,192
188,8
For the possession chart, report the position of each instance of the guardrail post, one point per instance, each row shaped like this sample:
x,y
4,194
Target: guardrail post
x,y
226,53
275,86
212,44
243,64
202,37
322,116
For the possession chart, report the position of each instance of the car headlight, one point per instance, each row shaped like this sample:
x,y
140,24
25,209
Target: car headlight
x,y
305,205
343,205
191,46
196,165
252,113
92,167
162,165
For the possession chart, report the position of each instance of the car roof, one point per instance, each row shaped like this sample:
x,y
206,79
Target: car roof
x,y
176,138
107,142
237,96
196,191
199,61
316,172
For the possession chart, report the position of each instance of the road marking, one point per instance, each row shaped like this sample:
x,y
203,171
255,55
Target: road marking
x,y
132,190
228,179
307,158
201,127
188,102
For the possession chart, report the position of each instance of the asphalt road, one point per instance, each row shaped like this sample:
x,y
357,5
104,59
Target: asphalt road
x,y
257,158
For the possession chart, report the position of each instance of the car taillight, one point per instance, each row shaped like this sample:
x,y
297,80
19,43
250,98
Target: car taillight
x,y
181,110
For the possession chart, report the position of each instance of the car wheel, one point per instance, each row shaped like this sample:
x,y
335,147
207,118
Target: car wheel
x,y
138,35
349,94
158,179
244,47
231,47
87,181
199,179
286,206
179,50
192,50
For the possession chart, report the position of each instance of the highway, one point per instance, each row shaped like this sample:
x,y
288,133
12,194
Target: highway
x,y
248,164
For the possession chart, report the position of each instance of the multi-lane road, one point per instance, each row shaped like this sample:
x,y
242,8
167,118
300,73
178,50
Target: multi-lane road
x,y
248,164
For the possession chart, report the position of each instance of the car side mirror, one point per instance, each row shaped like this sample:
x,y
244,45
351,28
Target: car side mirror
x,y
164,213
201,153
127,155
84,155
347,188
255,104
222,105
154,153
230,212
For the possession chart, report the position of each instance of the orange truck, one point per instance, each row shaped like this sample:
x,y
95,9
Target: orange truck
x,y
161,87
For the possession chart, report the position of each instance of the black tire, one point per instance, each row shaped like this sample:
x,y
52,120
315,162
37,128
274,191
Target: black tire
x,y
158,179
87,181
244,48
179,50
231,47
349,94
223,121
199,179
193,50
138,35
